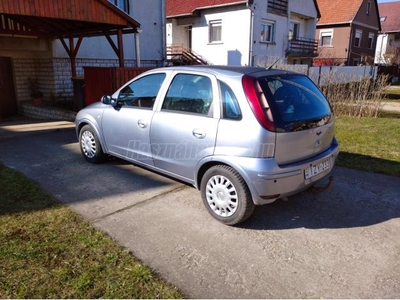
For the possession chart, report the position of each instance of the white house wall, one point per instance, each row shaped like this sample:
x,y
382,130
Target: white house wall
x,y
264,53
241,31
178,32
305,13
305,8
234,47
381,46
301,11
151,18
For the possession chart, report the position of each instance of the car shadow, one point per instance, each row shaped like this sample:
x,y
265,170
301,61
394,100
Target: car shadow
x,y
357,199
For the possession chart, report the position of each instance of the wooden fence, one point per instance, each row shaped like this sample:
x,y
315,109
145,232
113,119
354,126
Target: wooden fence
x,y
99,81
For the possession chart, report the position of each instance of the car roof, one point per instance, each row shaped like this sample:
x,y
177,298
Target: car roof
x,y
218,69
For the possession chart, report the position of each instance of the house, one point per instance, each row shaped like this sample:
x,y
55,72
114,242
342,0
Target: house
x,y
347,32
388,43
242,32
50,43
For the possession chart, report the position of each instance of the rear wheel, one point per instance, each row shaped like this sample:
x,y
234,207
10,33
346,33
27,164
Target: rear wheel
x,y
90,145
226,195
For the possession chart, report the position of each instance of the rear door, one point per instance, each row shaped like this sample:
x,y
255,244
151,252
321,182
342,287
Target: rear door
x,y
184,130
302,115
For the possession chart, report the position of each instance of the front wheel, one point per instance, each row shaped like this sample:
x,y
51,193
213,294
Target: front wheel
x,y
226,195
90,145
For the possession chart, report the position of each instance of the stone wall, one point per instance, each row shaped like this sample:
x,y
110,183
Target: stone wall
x,y
54,75
45,112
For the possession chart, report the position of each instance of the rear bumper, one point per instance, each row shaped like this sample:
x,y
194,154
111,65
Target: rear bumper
x,y
290,179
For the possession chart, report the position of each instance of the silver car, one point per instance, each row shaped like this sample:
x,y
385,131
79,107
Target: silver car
x,y
243,136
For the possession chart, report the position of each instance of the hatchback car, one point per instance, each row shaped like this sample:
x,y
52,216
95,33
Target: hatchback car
x,y
243,136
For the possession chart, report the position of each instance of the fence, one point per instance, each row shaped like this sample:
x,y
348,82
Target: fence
x,y
99,81
324,75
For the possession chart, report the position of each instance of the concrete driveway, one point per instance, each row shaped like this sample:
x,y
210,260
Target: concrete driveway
x,y
344,243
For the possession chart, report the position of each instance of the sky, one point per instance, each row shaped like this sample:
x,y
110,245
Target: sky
x,y
384,1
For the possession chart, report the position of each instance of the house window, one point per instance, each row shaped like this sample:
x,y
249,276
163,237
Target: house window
x,y
326,37
357,40
383,19
267,31
278,6
215,31
371,38
356,62
368,7
121,4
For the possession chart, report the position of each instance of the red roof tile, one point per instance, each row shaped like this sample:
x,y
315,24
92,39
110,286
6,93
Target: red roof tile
x,y
338,11
187,7
391,11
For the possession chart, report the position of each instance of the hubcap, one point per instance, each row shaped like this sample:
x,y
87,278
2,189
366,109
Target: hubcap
x,y
88,144
221,196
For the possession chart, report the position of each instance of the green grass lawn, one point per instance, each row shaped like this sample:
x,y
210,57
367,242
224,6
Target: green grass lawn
x,y
392,94
370,144
48,251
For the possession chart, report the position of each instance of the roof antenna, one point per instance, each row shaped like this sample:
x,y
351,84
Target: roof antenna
x,y
270,67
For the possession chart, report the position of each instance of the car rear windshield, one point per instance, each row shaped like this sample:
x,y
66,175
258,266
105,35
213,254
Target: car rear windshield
x,y
295,101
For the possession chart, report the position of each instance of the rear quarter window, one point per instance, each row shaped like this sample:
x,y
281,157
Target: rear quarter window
x,y
230,105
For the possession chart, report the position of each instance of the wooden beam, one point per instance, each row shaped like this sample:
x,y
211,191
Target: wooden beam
x,y
112,44
72,56
121,49
72,51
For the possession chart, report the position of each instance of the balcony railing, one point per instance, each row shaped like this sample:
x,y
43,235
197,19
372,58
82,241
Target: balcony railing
x,y
179,54
302,47
278,7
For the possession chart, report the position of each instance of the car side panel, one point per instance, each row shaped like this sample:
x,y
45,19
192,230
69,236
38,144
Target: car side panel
x,y
179,141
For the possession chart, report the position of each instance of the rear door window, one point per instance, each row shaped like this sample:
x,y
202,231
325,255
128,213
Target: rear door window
x,y
189,93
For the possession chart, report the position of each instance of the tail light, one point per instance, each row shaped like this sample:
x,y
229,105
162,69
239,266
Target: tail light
x,y
259,105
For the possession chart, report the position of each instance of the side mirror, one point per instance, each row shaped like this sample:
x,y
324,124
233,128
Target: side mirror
x,y
108,100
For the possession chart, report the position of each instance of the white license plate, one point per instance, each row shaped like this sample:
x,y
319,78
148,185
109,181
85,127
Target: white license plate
x,y
317,168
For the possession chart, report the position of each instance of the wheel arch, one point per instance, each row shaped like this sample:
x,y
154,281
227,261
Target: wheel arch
x,y
221,161
88,121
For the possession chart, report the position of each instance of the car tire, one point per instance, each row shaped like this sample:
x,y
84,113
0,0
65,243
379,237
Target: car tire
x,y
90,145
225,195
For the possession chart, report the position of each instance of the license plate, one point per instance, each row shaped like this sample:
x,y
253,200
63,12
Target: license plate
x,y
317,168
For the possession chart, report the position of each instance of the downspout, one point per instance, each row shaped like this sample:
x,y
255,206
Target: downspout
x,y
164,29
248,5
137,47
350,44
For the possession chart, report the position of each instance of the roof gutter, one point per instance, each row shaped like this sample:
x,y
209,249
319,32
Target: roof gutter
x,y
248,5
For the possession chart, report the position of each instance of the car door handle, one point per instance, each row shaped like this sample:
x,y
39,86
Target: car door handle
x,y
142,124
198,133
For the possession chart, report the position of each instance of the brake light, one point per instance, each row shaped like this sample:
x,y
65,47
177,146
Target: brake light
x,y
254,93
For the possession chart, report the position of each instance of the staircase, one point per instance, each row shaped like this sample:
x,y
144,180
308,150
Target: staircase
x,y
180,55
